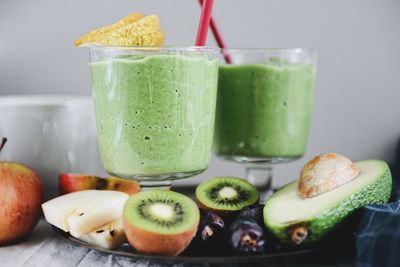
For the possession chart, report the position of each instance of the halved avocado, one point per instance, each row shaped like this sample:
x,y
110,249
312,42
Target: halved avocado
x,y
294,220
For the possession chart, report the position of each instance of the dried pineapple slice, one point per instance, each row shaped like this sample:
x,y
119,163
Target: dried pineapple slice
x,y
133,30
95,34
144,32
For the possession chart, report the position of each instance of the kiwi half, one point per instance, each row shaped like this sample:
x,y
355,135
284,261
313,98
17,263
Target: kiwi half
x,y
160,222
226,194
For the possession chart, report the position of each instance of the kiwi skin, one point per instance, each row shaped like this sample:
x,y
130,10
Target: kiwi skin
x,y
157,244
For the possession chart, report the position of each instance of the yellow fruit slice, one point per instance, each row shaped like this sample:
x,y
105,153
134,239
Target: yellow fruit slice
x,y
145,31
95,34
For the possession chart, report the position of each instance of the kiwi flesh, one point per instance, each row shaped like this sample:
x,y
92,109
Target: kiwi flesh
x,y
160,222
226,194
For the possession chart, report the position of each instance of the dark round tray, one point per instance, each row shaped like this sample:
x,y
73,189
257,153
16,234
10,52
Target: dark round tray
x,y
339,250
300,257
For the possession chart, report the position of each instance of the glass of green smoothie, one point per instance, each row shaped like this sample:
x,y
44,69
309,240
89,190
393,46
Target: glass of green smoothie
x,y
264,108
155,110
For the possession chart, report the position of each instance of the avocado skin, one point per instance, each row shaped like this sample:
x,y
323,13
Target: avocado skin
x,y
318,227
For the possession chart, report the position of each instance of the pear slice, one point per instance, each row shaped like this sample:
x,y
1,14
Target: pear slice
x,y
82,212
109,236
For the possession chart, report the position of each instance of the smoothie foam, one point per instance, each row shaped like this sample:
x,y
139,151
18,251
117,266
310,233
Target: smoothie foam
x,y
155,114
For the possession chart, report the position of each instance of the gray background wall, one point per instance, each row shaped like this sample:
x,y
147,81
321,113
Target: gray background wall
x,y
357,95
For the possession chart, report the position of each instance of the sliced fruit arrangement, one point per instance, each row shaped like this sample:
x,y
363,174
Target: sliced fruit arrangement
x,y
108,236
296,216
132,30
226,194
82,212
160,222
71,182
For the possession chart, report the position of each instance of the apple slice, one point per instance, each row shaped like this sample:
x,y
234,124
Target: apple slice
x,y
109,236
71,182
82,212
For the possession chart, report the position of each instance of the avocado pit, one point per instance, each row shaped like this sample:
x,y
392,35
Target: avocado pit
x,y
324,173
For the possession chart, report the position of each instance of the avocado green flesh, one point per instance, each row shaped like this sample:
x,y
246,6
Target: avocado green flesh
x,y
322,213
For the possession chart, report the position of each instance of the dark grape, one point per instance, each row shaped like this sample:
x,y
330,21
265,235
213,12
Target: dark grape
x,y
211,225
247,237
210,238
254,212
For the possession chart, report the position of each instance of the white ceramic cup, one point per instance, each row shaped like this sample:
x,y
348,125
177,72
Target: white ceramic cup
x,y
50,134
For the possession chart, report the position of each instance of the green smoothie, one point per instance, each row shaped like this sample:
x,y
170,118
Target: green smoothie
x,y
263,110
155,114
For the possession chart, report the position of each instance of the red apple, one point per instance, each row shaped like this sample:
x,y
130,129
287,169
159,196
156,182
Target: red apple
x,y
21,194
71,182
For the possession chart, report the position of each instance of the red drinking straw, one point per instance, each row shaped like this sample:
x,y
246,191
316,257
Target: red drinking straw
x,y
206,9
218,36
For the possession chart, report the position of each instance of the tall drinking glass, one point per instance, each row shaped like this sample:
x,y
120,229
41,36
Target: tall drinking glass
x,y
264,109
155,110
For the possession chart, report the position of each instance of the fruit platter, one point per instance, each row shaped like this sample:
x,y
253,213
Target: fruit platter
x,y
222,219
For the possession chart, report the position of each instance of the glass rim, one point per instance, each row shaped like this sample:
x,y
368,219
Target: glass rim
x,y
197,48
267,49
154,48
